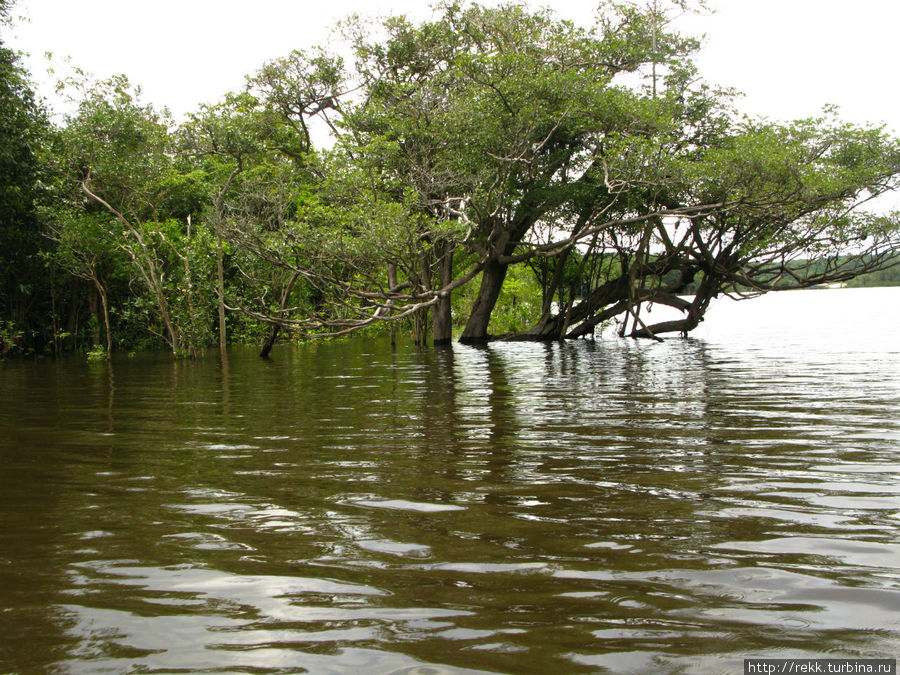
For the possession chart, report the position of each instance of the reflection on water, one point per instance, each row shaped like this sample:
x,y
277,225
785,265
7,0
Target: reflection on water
x,y
598,506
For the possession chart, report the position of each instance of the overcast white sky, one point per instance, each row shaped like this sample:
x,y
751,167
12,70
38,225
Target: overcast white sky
x,y
789,57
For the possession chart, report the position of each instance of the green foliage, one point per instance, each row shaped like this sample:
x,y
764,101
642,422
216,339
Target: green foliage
x,y
23,124
519,305
885,277
493,166
136,222
95,354
9,338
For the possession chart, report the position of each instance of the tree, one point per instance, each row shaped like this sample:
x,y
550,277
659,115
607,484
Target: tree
x,y
484,141
86,249
520,118
24,296
790,214
480,126
115,153
257,163
224,141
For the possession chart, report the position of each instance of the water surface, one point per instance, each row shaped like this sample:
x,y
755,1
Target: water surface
x,y
607,506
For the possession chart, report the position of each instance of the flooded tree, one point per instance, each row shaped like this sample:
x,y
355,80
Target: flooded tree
x,y
471,131
25,301
114,165
401,187
791,215
508,137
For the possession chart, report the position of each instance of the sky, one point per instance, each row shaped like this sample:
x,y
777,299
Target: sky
x,y
788,57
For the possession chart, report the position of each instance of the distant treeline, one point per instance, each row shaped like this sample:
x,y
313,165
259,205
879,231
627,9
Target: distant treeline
x,y
888,277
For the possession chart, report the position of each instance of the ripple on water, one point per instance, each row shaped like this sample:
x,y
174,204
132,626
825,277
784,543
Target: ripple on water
x,y
615,504
765,596
853,552
208,541
405,505
395,548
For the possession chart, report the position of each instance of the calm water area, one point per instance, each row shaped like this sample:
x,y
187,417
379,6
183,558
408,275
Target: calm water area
x,y
347,507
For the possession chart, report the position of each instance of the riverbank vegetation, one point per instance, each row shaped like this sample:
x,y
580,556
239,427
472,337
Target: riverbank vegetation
x,y
492,171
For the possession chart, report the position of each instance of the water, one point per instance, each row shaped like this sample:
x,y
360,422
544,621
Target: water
x,y
614,506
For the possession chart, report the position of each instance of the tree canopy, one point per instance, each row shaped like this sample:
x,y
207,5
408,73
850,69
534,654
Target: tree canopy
x,y
424,173
22,297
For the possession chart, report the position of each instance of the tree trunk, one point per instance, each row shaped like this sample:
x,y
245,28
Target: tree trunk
x,y
191,347
550,327
95,313
220,290
494,274
556,284
589,325
103,301
72,319
392,284
420,319
173,332
420,327
276,327
695,314
583,315
146,265
53,315
492,278
441,315
220,273
269,343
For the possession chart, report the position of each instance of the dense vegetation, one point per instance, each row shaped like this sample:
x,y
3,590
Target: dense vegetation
x,y
492,171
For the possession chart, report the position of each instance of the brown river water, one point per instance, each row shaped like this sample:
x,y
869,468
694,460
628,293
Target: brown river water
x,y
590,507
